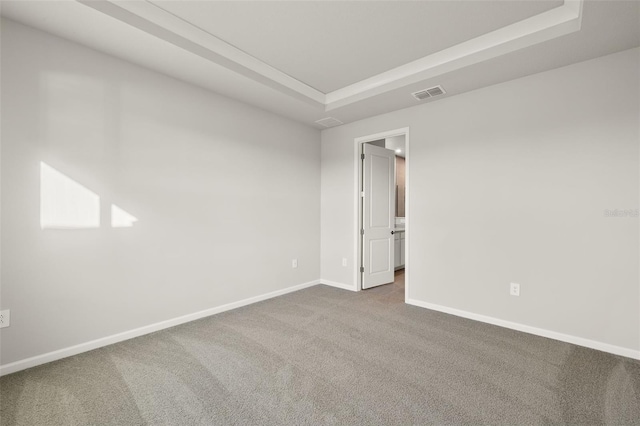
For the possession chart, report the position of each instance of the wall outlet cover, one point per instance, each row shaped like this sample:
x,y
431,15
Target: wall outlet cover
x,y
5,318
294,263
514,289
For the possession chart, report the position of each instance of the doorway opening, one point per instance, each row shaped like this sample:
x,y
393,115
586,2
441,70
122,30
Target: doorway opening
x,y
382,209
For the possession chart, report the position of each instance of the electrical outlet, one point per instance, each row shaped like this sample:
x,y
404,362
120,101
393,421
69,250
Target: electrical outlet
x,y
294,263
344,261
5,318
514,289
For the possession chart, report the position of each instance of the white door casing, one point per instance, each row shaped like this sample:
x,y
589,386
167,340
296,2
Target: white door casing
x,y
378,216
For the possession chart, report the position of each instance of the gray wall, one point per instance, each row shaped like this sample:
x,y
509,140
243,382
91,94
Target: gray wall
x,y
226,195
509,184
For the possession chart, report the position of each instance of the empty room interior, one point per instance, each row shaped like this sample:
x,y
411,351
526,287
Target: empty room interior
x,y
320,212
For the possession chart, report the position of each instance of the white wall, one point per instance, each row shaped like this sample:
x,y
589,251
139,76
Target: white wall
x,y
226,195
509,184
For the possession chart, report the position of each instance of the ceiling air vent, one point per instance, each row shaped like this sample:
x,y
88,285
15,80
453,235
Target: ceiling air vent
x,y
428,93
329,122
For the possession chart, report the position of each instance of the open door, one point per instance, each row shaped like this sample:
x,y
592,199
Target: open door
x,y
378,216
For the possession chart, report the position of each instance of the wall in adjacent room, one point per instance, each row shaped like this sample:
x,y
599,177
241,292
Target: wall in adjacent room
x,y
225,194
512,183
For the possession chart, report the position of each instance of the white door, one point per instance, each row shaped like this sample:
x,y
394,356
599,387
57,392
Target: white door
x,y
378,216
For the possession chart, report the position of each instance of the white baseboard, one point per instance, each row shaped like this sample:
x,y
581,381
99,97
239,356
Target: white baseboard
x,y
580,341
109,340
338,285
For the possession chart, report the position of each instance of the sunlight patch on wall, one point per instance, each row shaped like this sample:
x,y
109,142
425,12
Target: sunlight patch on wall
x,y
120,218
64,203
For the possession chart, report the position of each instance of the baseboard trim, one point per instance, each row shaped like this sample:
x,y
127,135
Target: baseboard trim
x,y
109,340
338,285
567,338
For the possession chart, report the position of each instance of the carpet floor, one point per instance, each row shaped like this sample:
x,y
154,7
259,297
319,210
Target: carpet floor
x,y
329,356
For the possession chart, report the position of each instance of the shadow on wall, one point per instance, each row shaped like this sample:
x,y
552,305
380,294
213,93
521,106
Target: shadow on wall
x,y
66,204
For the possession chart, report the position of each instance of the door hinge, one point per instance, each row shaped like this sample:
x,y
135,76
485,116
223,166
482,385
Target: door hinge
x,y
362,232
362,156
362,269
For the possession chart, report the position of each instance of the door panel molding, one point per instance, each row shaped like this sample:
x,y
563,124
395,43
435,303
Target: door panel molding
x,y
378,207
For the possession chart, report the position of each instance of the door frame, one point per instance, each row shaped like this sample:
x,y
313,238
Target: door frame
x,y
358,149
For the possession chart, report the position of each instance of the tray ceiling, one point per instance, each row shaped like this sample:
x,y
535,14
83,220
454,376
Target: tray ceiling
x,y
332,44
345,59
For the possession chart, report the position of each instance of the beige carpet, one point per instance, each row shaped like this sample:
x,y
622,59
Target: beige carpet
x,y
328,356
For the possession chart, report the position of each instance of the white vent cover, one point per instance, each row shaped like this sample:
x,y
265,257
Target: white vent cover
x,y
428,93
329,122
